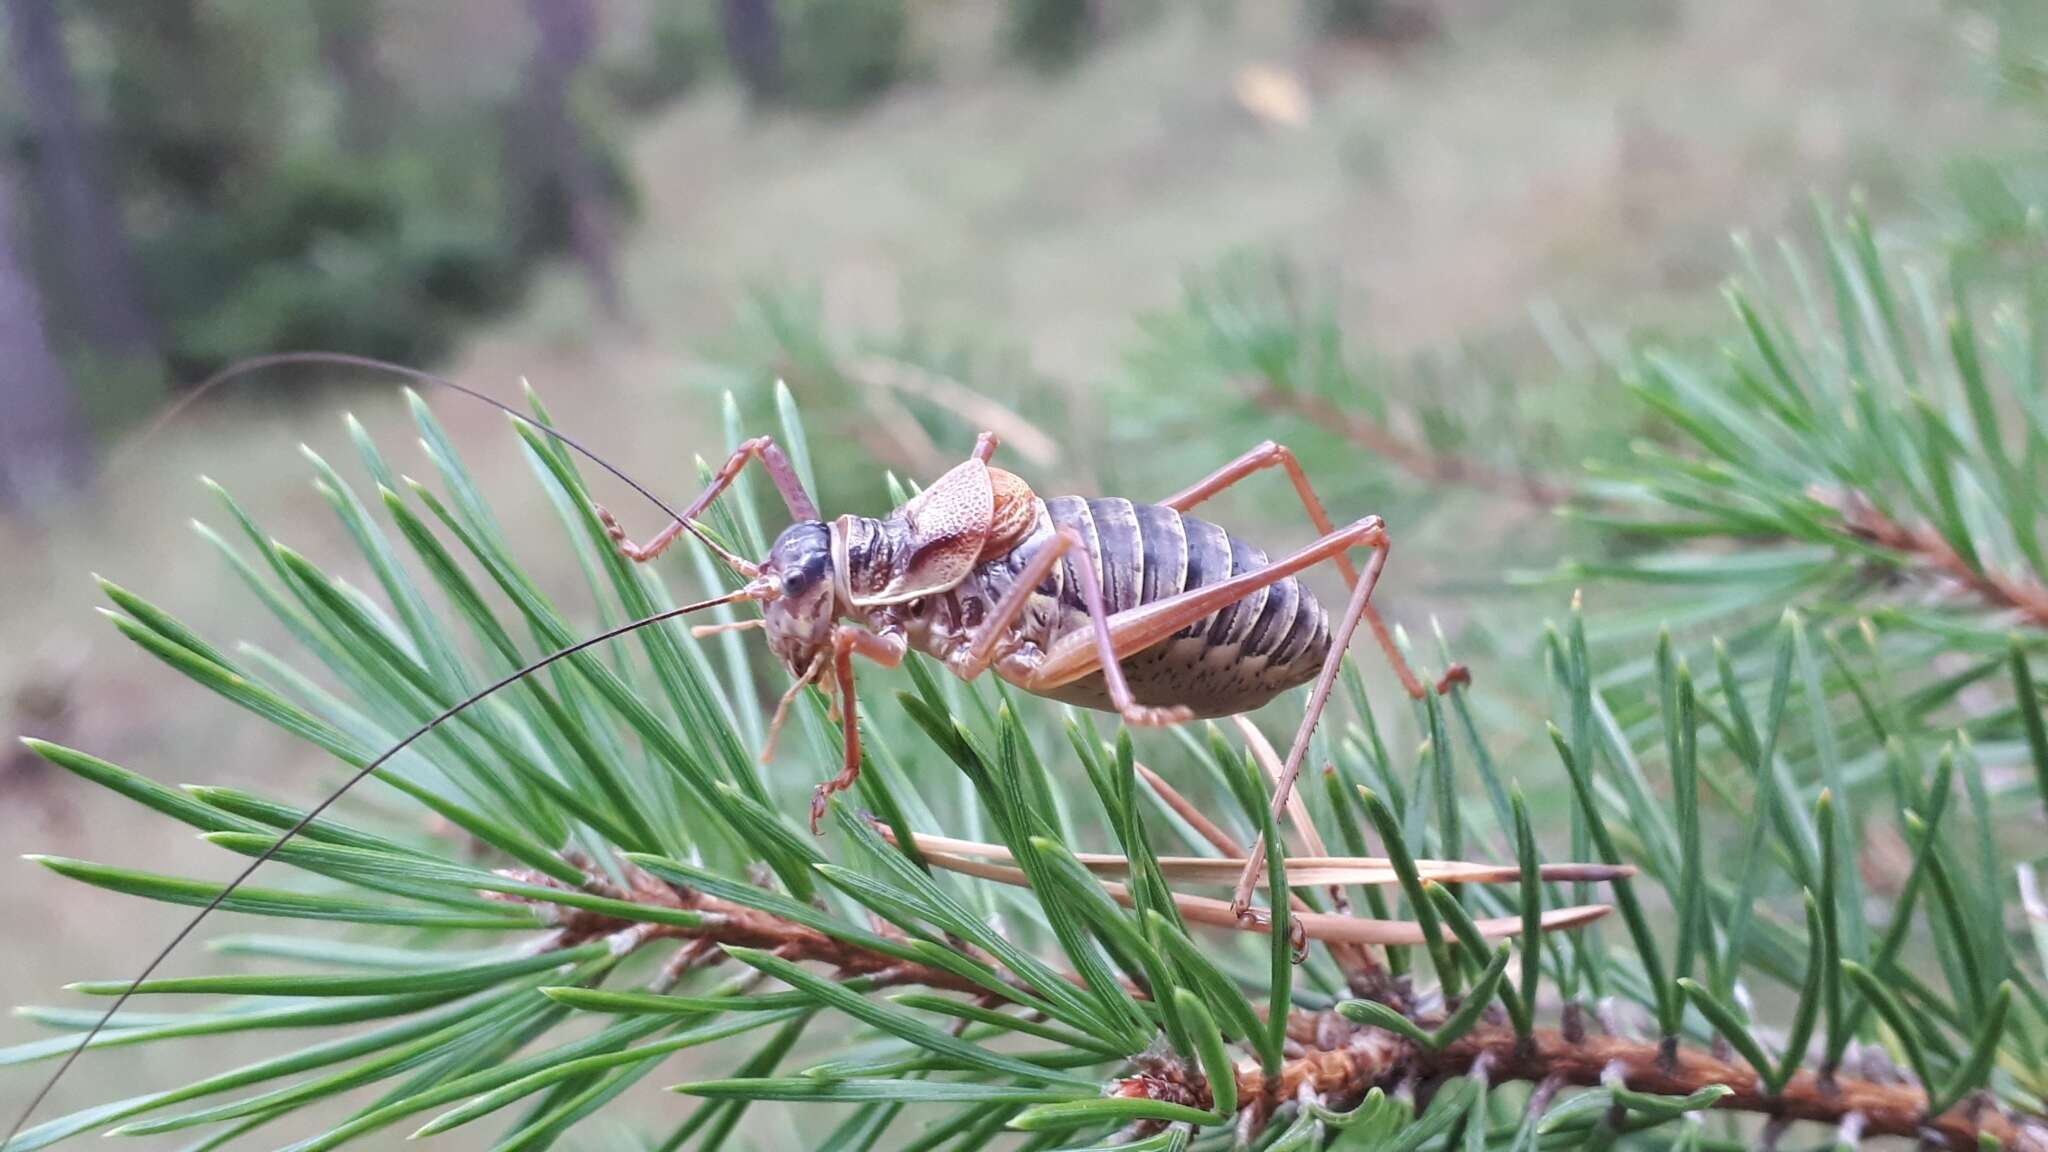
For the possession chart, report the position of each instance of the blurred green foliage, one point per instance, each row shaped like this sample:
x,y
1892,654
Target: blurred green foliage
x,y
679,49
2015,34
839,54
276,199
331,254
889,400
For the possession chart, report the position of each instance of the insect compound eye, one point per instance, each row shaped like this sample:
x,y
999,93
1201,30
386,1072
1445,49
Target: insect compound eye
x,y
802,557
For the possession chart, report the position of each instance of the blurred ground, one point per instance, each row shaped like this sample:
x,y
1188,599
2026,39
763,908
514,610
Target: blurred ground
x,y
1593,152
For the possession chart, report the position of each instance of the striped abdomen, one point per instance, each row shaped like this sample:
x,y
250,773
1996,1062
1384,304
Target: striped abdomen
x,y
1232,661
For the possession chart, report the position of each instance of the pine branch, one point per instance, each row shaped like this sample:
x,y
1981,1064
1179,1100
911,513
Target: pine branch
x,y
1919,545
1891,435
1255,342
1886,1109
894,394
1341,1061
1345,1061
1429,466
622,804
725,924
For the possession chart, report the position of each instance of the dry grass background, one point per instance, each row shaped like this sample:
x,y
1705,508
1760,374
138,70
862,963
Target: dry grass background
x,y
1594,153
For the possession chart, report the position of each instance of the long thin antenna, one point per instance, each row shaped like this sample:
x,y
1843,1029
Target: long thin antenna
x,y
418,376
757,590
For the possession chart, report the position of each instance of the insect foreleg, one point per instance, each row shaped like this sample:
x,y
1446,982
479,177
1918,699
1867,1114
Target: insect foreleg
x,y
1270,455
779,469
982,652
886,649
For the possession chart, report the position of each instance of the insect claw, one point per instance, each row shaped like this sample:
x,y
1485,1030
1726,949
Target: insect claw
x,y
1297,932
821,798
823,795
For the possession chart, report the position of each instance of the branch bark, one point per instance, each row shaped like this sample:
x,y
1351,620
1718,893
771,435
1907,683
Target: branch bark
x,y
1921,546
1357,1058
1339,1062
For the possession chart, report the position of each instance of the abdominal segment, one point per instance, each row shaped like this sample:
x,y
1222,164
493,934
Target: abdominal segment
x,y
1231,661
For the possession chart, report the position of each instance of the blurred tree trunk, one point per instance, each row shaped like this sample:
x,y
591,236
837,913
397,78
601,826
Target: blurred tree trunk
x,y
754,45
567,31
90,243
347,32
1052,34
42,443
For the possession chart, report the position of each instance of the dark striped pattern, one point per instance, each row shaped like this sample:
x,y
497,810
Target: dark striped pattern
x,y
1232,661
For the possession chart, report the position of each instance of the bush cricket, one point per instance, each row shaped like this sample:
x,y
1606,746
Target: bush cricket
x,y
1137,609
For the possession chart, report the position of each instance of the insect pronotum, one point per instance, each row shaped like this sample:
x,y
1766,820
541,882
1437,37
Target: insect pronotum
x,y
1137,609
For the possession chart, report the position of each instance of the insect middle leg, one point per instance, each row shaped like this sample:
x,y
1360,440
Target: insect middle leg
x,y
1270,454
779,469
982,651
